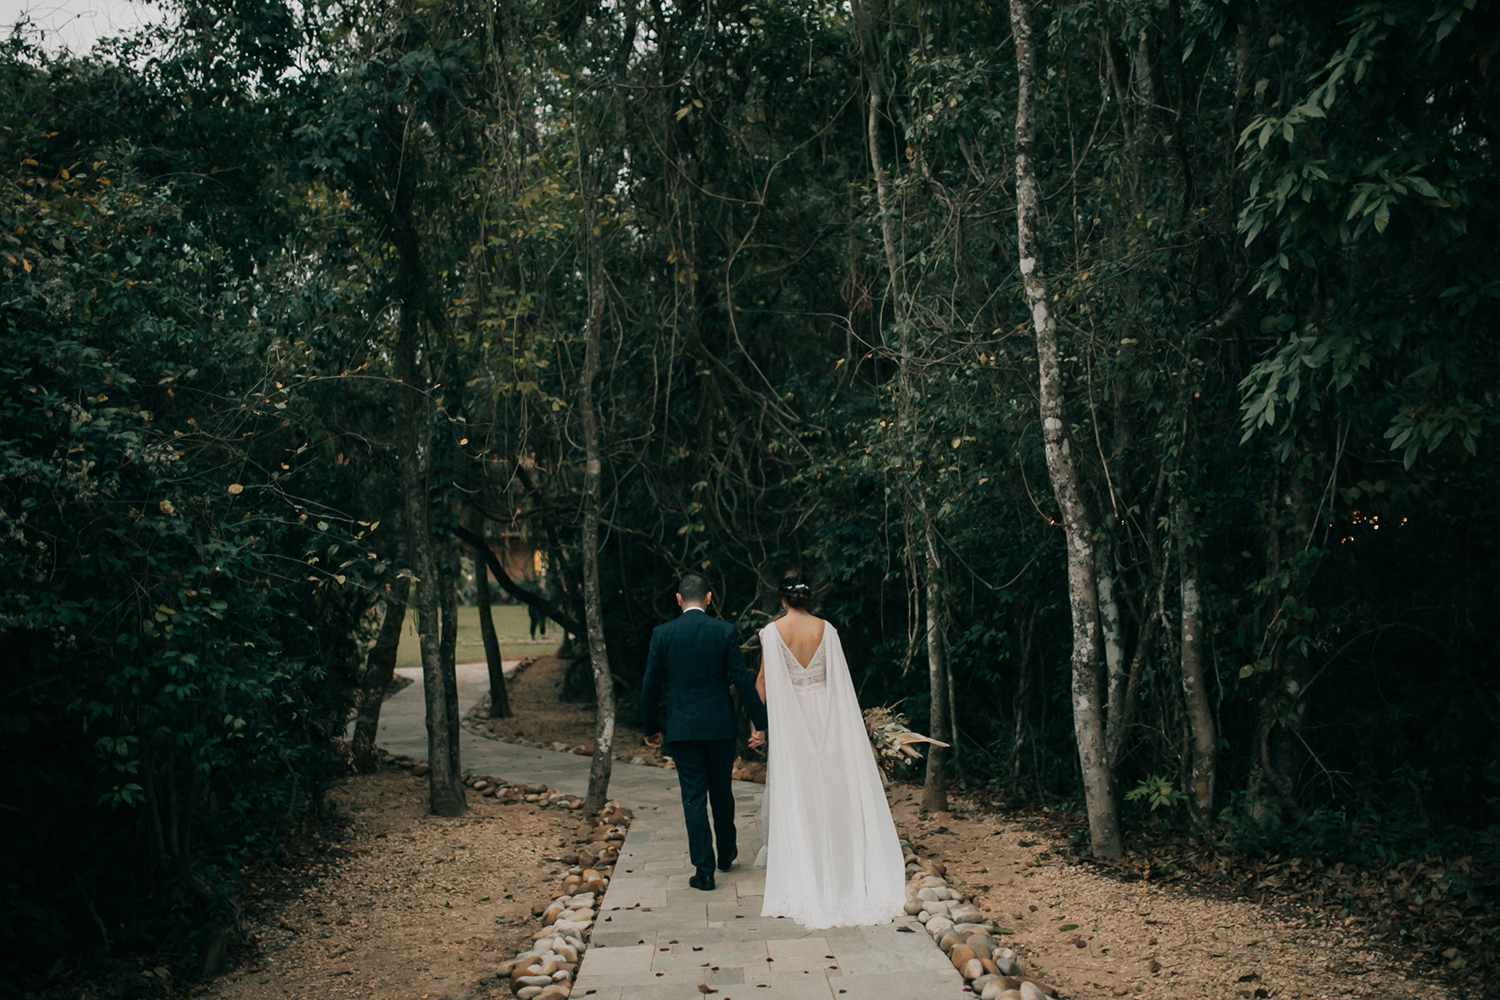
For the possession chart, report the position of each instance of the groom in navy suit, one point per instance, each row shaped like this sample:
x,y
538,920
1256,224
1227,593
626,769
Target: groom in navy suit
x,y
696,658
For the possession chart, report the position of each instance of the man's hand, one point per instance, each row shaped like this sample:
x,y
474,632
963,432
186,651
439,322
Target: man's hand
x,y
654,741
757,738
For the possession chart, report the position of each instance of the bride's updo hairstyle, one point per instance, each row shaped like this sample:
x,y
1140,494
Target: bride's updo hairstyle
x,y
794,589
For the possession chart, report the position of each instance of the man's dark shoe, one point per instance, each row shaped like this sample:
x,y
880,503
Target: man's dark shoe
x,y
727,863
704,882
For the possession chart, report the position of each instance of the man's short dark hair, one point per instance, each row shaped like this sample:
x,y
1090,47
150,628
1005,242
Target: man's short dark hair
x,y
693,588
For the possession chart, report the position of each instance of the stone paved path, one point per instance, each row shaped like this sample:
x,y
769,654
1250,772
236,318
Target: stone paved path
x,y
658,939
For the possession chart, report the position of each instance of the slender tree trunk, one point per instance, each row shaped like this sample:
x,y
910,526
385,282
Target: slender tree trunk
x,y
1083,599
447,659
593,610
935,786
445,790
380,668
1116,669
1021,707
1280,744
1203,750
473,522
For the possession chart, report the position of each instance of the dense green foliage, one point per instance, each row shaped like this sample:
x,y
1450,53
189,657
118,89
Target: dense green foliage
x,y
1271,237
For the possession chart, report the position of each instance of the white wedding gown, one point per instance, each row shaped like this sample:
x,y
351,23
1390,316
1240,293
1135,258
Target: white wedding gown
x,y
832,857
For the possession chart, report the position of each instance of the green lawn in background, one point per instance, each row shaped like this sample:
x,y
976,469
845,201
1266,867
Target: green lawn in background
x,y
511,625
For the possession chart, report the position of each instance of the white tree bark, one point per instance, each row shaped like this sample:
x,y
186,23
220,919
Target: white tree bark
x,y
1114,632
1203,753
1083,598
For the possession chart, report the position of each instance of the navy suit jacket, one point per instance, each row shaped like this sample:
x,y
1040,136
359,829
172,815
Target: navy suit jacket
x,y
696,658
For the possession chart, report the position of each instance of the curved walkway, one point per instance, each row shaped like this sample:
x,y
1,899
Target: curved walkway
x,y
658,939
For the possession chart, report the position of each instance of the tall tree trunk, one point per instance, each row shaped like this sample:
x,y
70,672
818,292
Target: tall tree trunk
x,y
447,658
1021,715
1204,743
1116,670
1083,599
473,522
1281,750
935,785
380,668
445,789
593,610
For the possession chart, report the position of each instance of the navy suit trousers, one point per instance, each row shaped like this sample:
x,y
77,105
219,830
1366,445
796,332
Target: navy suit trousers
x,y
703,772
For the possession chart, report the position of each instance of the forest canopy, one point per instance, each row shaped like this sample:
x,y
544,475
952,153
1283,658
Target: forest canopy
x,y
1122,373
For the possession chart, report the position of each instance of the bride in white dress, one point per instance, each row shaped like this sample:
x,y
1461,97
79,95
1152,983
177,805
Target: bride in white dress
x,y
832,857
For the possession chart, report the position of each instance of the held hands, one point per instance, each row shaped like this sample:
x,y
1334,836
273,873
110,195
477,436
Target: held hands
x,y
757,738
654,741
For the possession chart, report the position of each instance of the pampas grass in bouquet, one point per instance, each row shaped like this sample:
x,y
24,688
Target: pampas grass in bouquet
x,y
891,739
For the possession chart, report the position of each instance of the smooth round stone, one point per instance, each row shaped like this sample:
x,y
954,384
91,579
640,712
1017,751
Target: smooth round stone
x,y
949,940
1031,991
938,926
528,993
535,980
913,907
991,991
962,955
932,881
923,915
972,969
931,895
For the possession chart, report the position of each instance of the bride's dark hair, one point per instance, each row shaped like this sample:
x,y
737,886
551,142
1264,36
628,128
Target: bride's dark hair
x,y
794,589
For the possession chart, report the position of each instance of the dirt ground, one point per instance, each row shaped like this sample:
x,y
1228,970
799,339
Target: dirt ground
x,y
412,906
1091,934
541,717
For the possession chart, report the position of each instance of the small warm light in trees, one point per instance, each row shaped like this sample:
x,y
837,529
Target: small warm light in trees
x,y
235,489
463,441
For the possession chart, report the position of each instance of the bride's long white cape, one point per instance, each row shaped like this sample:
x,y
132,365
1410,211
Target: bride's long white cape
x,y
832,857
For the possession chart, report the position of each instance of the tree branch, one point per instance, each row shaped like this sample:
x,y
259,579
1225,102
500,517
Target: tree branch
x,y
513,588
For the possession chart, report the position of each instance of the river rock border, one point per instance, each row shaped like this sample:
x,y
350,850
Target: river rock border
x,y
965,935
547,969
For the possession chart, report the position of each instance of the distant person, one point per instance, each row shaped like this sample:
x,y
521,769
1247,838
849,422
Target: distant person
x,y
832,857
536,614
695,658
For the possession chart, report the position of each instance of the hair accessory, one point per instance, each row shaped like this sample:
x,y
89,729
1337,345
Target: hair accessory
x,y
795,588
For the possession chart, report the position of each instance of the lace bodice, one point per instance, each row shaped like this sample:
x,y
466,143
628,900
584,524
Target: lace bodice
x,y
816,671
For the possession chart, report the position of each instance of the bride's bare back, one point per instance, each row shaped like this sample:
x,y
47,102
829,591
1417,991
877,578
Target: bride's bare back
x,y
802,632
